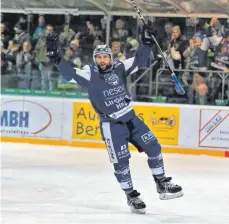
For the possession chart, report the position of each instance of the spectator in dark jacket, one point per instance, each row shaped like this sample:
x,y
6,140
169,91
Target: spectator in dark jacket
x,y
177,48
4,36
10,55
25,60
21,35
196,60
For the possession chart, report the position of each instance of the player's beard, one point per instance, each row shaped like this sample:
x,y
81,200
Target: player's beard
x,y
104,66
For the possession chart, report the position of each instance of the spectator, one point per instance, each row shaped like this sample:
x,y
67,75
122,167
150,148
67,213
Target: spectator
x,y
93,30
119,33
196,60
103,22
48,79
168,36
202,91
66,37
40,29
72,58
10,56
25,60
4,37
201,52
177,48
116,49
21,35
131,47
222,58
195,55
22,22
212,40
215,23
90,34
75,45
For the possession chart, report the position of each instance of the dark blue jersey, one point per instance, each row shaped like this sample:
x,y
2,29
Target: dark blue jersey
x,y
108,91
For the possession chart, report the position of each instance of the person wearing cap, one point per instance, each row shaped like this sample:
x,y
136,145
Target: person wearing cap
x,y
196,57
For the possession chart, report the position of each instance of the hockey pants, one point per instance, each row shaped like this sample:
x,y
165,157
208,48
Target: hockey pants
x,y
118,135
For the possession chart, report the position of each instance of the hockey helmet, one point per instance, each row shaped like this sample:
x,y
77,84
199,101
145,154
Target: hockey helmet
x,y
102,49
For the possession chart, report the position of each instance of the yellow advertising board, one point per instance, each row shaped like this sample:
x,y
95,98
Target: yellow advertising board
x,y
85,122
162,121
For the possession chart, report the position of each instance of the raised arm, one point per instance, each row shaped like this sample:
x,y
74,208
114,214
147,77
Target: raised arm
x,y
81,76
70,73
141,60
143,55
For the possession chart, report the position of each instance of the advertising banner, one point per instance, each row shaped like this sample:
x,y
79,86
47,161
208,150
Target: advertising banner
x,y
85,122
30,117
214,128
163,122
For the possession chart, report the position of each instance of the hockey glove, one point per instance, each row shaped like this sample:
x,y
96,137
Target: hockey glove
x,y
146,33
52,48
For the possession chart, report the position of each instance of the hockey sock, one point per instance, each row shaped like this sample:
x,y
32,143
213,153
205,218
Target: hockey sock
x,y
123,176
155,161
156,166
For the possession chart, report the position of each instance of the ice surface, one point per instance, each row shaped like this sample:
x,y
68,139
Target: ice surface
x,y
58,185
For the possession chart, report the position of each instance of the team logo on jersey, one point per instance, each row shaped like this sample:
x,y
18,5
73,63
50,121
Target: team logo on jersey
x,y
112,79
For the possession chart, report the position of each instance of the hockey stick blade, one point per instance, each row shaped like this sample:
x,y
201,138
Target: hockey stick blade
x,y
179,87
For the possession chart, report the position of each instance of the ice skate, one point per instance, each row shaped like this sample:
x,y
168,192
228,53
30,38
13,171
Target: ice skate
x,y
168,190
135,203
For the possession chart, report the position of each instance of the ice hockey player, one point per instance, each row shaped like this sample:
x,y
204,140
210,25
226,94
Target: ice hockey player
x,y
105,81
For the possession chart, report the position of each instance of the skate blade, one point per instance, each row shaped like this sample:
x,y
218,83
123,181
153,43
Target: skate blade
x,y
164,196
138,211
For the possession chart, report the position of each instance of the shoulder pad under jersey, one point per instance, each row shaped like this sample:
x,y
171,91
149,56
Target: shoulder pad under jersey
x,y
117,63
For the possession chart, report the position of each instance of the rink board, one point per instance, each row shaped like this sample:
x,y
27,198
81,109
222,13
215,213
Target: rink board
x,y
59,121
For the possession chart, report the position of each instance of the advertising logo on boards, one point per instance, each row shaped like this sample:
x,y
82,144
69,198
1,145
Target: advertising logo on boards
x,y
85,122
162,121
214,128
23,117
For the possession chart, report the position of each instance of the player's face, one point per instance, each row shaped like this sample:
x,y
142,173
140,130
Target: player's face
x,y
103,60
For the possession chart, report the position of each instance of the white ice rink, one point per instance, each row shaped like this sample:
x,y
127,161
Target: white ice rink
x,y
58,185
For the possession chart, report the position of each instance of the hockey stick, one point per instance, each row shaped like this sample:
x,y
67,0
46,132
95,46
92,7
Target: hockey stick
x,y
179,87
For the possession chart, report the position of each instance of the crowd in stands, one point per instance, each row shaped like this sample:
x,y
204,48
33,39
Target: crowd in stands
x,y
203,47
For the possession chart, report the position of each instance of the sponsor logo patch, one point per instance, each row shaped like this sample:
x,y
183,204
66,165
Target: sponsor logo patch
x,y
147,137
